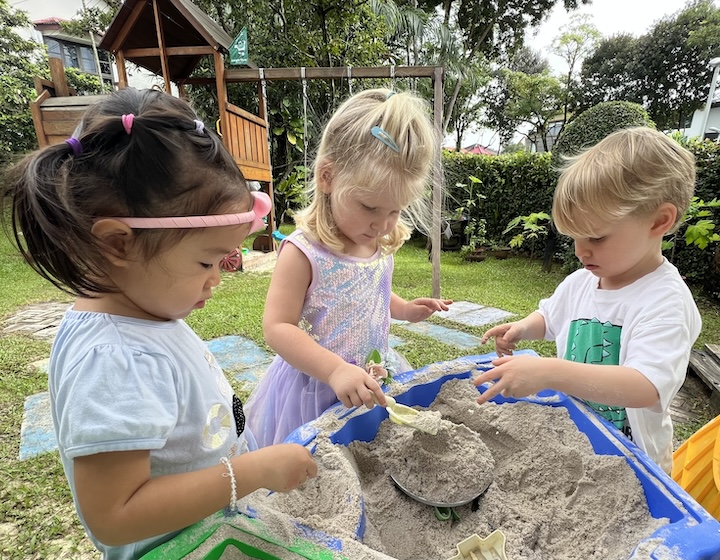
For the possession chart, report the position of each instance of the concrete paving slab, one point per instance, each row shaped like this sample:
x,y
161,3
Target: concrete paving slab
x,y
473,314
37,434
443,334
250,376
394,341
235,353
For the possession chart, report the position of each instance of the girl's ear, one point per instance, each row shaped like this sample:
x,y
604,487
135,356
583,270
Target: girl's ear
x,y
664,219
115,239
325,178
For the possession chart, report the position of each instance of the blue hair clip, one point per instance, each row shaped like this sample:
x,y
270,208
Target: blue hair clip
x,y
384,137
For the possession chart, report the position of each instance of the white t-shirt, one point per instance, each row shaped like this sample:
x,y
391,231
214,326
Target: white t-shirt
x,y
650,325
124,384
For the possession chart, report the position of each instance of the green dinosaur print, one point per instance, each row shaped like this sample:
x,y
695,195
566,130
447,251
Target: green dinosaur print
x,y
593,342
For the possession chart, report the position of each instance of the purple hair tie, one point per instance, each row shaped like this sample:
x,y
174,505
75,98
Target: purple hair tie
x,y
75,146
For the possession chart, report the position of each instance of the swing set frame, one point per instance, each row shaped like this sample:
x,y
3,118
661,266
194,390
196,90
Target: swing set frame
x,y
435,73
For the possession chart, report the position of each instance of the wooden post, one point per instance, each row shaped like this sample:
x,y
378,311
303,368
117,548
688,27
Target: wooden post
x,y
161,45
437,189
122,71
57,75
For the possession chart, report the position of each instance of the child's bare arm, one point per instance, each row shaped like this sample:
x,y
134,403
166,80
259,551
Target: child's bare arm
x,y
520,376
283,307
122,504
508,335
416,310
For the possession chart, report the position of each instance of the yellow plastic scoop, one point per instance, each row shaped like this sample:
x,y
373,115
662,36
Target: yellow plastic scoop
x,y
426,421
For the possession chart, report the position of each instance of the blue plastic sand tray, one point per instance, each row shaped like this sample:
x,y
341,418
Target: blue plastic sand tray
x,y
680,528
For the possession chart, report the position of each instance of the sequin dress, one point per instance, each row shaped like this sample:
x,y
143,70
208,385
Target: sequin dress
x,y
347,311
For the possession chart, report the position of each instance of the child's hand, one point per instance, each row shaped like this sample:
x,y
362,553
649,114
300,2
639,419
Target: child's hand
x,y
355,387
421,308
286,466
506,336
514,376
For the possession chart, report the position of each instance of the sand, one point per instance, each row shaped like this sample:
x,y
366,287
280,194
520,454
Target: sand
x,y
539,481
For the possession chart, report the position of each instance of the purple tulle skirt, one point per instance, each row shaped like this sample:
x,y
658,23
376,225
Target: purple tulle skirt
x,y
286,398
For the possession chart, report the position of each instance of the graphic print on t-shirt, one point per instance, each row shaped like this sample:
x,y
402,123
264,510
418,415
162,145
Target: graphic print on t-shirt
x,y
593,342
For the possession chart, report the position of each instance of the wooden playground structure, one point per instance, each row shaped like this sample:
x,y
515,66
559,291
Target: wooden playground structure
x,y
169,38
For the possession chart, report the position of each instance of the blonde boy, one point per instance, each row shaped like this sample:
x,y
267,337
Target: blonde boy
x,y
625,323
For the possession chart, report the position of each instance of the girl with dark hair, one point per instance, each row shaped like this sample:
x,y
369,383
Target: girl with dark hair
x,y
133,216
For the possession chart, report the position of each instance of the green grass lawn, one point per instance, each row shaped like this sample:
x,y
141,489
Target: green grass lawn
x,y
37,518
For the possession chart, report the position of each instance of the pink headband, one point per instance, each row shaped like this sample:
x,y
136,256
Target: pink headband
x,y
261,208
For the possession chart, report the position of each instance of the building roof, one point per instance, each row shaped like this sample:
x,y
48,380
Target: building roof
x,y
183,25
478,149
49,21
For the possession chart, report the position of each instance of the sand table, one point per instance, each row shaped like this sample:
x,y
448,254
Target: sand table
x,y
551,495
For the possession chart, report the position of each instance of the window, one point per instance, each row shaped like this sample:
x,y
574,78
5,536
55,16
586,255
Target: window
x,y
70,57
88,60
81,57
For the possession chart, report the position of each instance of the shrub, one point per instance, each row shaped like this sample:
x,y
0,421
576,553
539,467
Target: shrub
x,y
591,126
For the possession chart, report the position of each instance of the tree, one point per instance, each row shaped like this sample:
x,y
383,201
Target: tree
x,y
677,75
20,62
499,93
665,70
576,41
492,28
610,73
534,99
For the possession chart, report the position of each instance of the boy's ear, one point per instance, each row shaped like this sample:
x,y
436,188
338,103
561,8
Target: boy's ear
x,y
664,218
325,178
115,239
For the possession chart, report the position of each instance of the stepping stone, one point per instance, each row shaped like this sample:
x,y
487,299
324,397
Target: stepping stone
x,y
250,376
443,334
473,314
394,341
37,434
235,353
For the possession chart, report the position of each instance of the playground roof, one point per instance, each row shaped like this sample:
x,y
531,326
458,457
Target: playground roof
x,y
187,32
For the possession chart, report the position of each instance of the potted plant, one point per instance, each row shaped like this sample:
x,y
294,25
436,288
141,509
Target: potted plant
x,y
477,242
499,250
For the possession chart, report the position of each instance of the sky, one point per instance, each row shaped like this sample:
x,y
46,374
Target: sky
x,y
610,17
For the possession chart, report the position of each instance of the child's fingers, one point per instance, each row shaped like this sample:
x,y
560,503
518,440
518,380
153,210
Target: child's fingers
x,y
493,390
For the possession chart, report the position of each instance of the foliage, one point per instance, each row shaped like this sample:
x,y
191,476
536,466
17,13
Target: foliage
x,y
532,228
290,193
665,70
476,235
591,126
699,230
513,185
82,82
471,199
20,62
534,99
91,19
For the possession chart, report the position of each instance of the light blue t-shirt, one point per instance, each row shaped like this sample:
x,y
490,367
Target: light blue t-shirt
x,y
124,384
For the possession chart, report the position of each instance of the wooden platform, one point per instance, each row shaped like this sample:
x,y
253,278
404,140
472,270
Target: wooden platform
x,y
705,364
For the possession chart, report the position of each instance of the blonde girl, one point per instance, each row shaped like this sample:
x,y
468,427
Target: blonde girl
x,y
330,300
